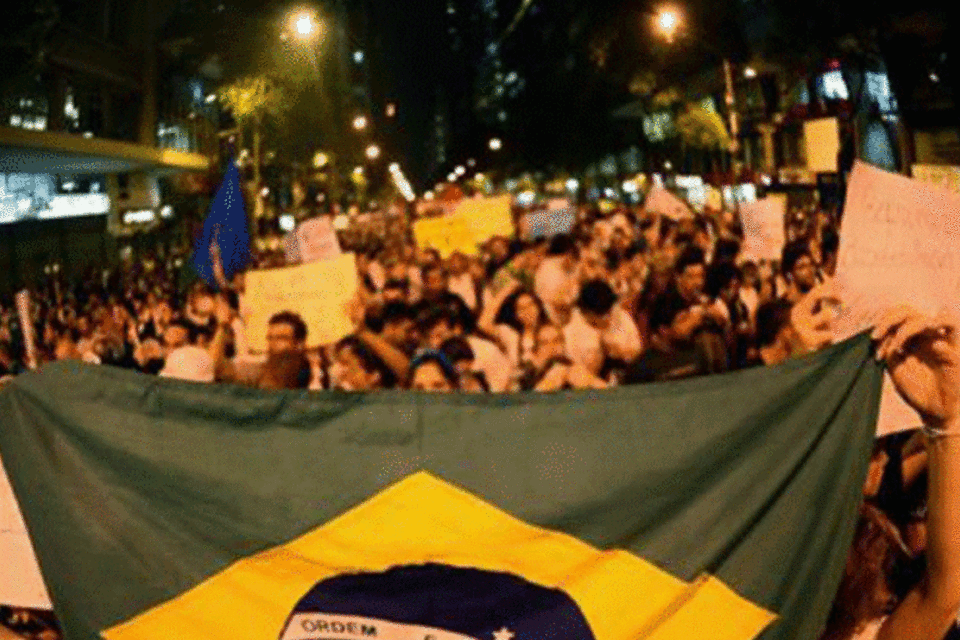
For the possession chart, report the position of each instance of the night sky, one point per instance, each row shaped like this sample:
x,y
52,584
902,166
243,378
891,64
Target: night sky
x,y
577,59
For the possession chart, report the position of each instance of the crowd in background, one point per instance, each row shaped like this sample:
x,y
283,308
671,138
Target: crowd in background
x,y
626,297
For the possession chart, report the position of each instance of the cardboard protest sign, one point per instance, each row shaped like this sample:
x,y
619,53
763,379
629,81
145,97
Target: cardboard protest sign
x,y
899,244
445,234
661,201
822,139
21,584
318,292
313,240
763,227
474,222
945,176
546,224
486,218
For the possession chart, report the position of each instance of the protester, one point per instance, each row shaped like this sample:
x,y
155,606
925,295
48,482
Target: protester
x,y
625,297
923,356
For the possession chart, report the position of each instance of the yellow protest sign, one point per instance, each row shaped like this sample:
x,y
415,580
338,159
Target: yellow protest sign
x,y
443,234
473,222
486,217
823,144
318,292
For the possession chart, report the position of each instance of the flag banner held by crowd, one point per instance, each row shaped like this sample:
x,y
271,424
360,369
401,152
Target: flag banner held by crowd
x,y
318,292
312,240
900,243
661,201
763,227
226,229
21,584
718,507
549,223
945,176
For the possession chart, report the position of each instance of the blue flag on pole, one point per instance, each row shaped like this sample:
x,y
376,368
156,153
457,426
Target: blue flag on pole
x,y
225,232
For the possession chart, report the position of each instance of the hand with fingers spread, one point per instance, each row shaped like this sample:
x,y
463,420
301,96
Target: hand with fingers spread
x,y
923,355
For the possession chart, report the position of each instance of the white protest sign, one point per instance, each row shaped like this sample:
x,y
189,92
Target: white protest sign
x,y
945,176
661,201
763,222
21,584
317,240
546,224
899,244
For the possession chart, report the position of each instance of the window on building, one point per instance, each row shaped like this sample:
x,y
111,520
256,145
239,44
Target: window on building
x,y
830,86
877,88
658,126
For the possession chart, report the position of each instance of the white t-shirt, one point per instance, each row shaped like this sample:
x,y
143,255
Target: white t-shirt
x,y
517,349
555,286
588,346
492,362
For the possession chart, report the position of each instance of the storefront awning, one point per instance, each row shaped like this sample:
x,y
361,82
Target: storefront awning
x,y
23,151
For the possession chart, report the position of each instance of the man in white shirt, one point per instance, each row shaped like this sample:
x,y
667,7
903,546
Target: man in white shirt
x,y
600,329
555,282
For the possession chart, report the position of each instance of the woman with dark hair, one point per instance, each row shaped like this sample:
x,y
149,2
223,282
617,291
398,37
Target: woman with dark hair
x,y
924,363
432,371
357,367
514,318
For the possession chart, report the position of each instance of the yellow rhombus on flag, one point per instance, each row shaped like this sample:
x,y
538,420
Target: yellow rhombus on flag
x,y
339,582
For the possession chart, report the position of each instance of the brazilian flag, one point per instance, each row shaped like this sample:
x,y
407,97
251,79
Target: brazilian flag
x,y
719,507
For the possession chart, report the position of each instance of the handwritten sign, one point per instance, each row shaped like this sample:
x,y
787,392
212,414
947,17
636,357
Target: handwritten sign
x,y
822,139
661,201
763,222
21,584
318,292
945,176
899,244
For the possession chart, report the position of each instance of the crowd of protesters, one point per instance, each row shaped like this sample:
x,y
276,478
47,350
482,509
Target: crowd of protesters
x,y
626,297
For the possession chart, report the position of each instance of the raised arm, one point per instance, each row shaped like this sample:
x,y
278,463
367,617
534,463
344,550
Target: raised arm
x,y
924,360
487,320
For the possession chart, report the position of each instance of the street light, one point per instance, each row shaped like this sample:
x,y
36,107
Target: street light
x,y
496,144
668,22
305,26
360,123
373,152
